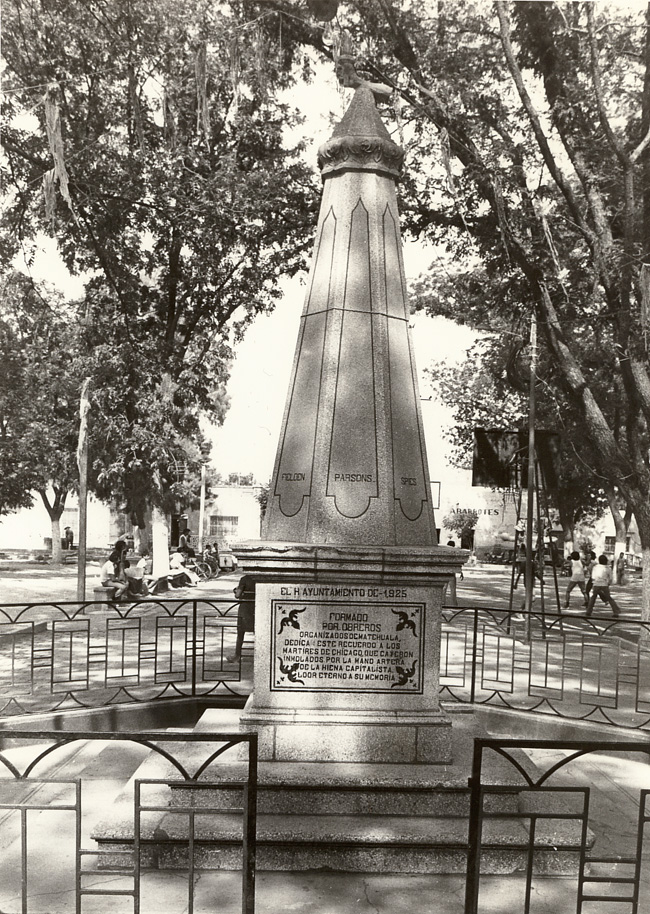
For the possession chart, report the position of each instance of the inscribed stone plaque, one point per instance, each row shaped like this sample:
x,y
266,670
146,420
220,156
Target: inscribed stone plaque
x,y
340,638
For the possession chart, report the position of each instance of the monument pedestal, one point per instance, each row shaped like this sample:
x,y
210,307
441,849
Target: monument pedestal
x,y
347,652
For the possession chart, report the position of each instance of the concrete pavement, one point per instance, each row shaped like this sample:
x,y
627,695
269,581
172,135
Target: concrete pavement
x,y
482,585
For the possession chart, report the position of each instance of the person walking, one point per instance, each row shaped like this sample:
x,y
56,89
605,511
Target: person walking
x,y
577,578
589,563
601,578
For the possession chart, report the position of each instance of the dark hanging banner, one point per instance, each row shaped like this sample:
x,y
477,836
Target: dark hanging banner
x,y
501,458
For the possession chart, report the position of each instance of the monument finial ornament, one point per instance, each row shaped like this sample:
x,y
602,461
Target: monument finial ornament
x,y
346,66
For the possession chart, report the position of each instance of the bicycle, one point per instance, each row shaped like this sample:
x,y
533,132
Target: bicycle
x,y
202,569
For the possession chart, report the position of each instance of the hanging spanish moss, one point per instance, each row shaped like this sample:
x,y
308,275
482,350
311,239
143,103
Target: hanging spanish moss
x,y
261,58
134,102
235,73
169,121
49,196
55,142
202,109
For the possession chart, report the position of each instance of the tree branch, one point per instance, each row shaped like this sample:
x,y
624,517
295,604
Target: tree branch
x,y
535,123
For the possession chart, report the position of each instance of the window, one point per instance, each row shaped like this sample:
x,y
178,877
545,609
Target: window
x,y
610,545
223,528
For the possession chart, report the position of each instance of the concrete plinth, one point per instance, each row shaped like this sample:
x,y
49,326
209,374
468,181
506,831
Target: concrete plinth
x,y
347,652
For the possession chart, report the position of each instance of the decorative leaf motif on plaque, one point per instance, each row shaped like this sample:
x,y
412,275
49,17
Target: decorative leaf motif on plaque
x,y
404,622
405,675
290,671
291,619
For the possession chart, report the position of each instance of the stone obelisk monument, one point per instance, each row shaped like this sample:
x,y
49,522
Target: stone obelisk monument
x,y
349,574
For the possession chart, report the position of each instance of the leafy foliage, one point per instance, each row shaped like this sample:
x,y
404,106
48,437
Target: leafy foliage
x,y
461,522
150,140
527,128
40,395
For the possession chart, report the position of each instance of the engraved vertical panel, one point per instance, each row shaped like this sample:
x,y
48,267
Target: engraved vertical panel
x,y
357,280
293,482
395,294
408,453
352,476
318,296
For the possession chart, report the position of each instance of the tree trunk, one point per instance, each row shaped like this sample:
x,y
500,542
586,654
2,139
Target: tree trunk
x,y
57,550
645,594
55,508
159,543
621,521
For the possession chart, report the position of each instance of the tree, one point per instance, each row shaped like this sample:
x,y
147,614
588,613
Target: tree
x,y
16,477
461,522
155,152
43,368
532,167
488,390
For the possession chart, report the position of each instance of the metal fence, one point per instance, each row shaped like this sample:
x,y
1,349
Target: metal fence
x,y
570,666
57,791
68,655
573,825
65,656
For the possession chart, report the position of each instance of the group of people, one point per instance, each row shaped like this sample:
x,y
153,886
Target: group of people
x,y
126,579
593,578
132,581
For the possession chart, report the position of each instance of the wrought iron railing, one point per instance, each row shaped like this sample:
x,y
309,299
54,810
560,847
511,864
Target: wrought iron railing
x,y
68,655
63,656
571,666
579,816
56,793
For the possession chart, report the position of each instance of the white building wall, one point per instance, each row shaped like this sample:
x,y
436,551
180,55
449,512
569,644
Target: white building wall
x,y
31,528
497,511
237,508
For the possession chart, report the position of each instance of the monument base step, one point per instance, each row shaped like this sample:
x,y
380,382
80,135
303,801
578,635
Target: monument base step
x,y
351,817
372,844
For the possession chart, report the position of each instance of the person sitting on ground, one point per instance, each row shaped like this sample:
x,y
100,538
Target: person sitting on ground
x,y
601,578
109,576
577,578
135,574
177,564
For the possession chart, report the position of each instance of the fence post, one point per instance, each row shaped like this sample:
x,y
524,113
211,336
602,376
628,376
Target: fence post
x,y
472,687
475,825
249,849
194,624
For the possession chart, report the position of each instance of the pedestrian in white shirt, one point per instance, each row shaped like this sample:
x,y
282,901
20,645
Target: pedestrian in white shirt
x,y
577,578
601,578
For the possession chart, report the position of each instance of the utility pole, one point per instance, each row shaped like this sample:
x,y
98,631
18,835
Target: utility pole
x,y
82,464
202,510
530,580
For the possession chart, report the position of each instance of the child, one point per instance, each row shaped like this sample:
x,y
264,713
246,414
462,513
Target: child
x,y
577,578
601,578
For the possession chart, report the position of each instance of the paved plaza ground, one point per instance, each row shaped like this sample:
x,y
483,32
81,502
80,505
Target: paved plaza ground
x,y
482,585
